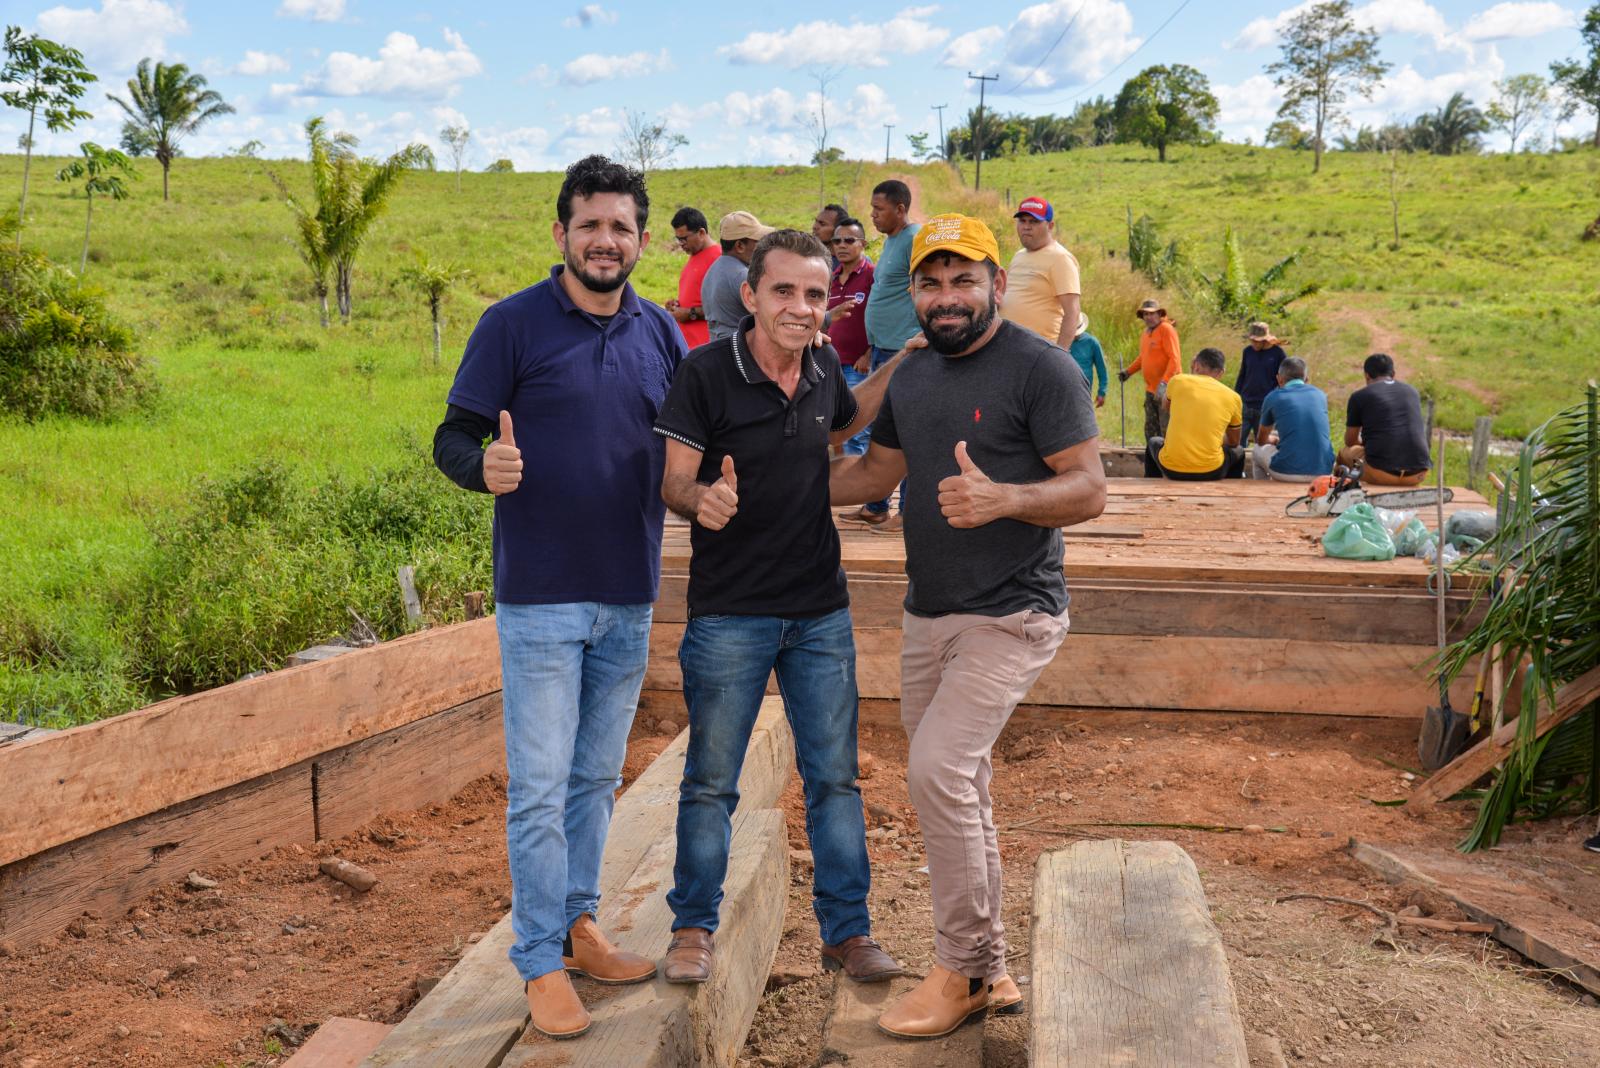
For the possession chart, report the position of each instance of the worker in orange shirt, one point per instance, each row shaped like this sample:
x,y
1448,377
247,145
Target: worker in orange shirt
x,y
1159,360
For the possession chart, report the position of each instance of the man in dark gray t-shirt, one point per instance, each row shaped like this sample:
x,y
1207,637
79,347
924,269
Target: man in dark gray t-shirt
x,y
995,430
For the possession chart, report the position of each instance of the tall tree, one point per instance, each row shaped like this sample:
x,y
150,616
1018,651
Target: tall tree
x,y
456,139
1326,57
167,104
44,78
1520,101
645,142
1579,79
101,171
816,124
1163,106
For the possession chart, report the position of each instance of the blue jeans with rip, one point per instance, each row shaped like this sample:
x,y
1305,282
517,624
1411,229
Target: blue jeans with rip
x,y
571,676
879,358
726,662
857,445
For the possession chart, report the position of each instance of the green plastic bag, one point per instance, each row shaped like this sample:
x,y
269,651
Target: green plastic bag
x,y
1358,535
1409,537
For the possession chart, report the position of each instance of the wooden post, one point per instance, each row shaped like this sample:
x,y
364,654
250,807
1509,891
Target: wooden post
x,y
1480,450
408,592
1429,431
473,603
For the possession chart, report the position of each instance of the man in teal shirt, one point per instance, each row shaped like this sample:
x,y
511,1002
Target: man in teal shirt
x,y
1091,359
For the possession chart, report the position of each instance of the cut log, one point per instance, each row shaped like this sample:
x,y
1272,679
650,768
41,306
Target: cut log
x,y
102,774
339,1043
478,1010
851,1035
1128,968
1478,761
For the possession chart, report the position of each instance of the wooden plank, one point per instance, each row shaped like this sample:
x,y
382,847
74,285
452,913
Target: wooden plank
x,y
340,1043
478,1010
16,732
106,773
1542,930
1198,674
316,653
107,872
1478,761
1128,968
424,762
851,1035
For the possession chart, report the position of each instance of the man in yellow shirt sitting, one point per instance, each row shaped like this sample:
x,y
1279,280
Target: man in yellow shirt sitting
x,y
1202,441
1042,288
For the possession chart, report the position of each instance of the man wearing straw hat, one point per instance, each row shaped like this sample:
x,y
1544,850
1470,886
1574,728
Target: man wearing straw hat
x,y
1258,376
1159,359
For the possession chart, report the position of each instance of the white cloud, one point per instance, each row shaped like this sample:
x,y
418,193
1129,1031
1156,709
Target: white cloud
x,y
316,10
1099,35
1264,32
867,107
1406,91
403,69
1504,21
1253,103
255,63
966,50
594,67
119,34
590,15
864,44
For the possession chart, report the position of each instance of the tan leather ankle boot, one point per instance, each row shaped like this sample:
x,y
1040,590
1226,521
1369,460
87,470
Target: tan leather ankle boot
x,y
589,952
1005,999
937,1006
555,1007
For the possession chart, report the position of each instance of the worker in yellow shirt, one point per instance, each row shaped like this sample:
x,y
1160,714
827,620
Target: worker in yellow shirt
x,y
1042,288
1202,440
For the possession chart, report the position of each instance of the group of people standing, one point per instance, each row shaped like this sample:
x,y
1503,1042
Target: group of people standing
x,y
992,437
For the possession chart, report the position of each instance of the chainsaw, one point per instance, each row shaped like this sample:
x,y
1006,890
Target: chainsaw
x,y
1342,490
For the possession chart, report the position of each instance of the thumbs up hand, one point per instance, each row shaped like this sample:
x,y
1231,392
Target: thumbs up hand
x,y
502,461
719,502
970,498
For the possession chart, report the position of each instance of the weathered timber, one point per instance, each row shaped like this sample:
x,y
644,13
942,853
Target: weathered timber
x,y
317,652
103,774
424,762
851,1036
339,1043
478,1010
1128,968
1524,918
16,732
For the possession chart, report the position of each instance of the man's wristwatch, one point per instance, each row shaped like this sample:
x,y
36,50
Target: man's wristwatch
x,y
696,313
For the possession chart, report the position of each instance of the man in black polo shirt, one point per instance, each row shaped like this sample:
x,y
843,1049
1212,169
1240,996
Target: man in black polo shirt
x,y
748,422
1383,428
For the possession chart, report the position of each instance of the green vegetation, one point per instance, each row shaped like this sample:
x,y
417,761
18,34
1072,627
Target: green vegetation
x,y
165,104
46,80
101,170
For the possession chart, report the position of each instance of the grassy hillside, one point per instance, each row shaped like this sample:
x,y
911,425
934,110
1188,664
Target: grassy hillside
x,y
126,575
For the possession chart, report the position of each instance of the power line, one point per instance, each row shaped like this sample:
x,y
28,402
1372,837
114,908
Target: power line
x,y
977,126
1084,91
1059,38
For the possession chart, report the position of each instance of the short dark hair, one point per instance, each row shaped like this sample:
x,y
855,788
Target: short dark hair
x,y
597,174
691,219
894,191
946,256
1292,367
728,246
799,242
1212,359
850,220
1379,365
840,212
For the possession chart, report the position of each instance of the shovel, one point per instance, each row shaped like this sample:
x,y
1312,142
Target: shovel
x,y
1444,730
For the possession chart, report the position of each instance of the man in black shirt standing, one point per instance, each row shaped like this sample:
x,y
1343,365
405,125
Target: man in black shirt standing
x,y
748,422
1383,426
996,433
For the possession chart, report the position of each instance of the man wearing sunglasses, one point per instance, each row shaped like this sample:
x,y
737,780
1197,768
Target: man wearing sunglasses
x,y
848,293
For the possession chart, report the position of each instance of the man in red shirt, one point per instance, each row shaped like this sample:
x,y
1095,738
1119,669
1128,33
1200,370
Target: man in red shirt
x,y
689,227
848,293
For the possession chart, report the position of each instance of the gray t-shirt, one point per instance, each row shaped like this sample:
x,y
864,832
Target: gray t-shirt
x,y
1014,401
719,295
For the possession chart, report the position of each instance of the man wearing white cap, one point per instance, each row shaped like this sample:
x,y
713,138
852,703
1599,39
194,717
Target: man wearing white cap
x,y
719,291
1042,289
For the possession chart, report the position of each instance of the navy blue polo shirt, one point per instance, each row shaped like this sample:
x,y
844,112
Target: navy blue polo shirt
x,y
585,524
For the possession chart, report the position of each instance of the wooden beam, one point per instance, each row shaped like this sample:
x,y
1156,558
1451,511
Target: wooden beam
x,y
11,733
1478,761
851,1035
103,774
478,1010
1127,966
339,1043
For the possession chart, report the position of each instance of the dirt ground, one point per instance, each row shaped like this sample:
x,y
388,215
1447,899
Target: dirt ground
x,y
238,974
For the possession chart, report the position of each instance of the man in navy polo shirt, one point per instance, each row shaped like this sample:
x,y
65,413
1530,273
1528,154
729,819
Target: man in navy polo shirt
x,y
748,423
578,366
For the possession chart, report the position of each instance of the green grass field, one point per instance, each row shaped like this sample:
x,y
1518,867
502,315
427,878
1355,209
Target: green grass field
x,y
1490,301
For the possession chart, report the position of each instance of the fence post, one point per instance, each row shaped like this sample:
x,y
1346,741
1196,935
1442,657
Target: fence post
x,y
1480,450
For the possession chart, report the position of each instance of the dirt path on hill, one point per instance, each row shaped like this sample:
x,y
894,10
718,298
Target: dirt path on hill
x,y
1412,355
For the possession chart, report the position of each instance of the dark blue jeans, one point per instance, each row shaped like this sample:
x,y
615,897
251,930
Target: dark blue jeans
x,y
1251,420
726,662
879,358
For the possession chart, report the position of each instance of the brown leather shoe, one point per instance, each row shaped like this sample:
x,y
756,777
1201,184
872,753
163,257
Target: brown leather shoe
x,y
554,1006
940,1003
895,524
861,515
861,959
689,956
589,952
1005,999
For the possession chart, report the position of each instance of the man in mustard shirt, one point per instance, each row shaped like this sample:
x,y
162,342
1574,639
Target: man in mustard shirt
x,y
1042,288
1202,441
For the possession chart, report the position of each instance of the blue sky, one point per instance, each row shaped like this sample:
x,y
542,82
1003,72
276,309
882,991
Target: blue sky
x,y
544,83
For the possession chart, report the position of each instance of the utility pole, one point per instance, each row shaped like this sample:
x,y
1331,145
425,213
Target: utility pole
x,y
943,152
888,128
977,131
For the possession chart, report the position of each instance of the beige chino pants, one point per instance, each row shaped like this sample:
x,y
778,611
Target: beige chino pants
x,y
961,676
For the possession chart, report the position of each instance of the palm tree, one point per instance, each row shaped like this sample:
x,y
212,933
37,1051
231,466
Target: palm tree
x,y
101,170
1451,130
169,103
433,280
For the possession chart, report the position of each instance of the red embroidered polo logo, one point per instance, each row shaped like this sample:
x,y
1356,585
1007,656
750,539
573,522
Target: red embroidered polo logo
x,y
977,415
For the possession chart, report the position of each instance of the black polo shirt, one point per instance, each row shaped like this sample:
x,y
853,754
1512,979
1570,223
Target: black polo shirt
x,y
779,555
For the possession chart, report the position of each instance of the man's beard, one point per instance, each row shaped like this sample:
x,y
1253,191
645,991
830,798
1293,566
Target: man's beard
x,y
596,284
950,340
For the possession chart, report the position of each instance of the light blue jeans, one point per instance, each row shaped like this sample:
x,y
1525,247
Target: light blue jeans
x,y
879,358
571,675
856,445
